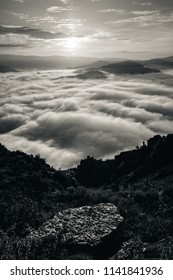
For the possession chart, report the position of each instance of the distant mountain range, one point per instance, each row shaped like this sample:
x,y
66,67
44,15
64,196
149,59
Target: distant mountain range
x,y
95,64
6,69
99,69
160,63
91,74
21,62
128,67
115,66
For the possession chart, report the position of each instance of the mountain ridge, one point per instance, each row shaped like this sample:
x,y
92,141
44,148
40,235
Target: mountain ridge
x,y
6,69
60,62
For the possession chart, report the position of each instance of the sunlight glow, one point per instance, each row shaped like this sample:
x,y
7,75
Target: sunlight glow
x,y
72,43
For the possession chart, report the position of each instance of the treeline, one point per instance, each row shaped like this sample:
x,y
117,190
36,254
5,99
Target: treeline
x,y
156,154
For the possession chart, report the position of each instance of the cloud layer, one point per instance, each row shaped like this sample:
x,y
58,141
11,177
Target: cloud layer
x,y
65,119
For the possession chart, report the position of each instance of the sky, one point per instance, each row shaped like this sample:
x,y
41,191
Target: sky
x,y
89,28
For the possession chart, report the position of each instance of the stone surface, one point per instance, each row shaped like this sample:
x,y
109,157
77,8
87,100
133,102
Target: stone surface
x,y
87,227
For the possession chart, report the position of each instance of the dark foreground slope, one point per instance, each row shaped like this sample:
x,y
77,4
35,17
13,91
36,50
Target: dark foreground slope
x,y
138,182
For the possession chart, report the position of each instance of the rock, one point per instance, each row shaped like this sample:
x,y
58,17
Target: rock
x,y
93,229
131,249
136,249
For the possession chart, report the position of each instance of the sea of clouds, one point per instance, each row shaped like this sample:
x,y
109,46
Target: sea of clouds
x,y
64,119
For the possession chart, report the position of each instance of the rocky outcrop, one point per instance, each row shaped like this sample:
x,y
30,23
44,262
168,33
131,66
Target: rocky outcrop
x,y
94,229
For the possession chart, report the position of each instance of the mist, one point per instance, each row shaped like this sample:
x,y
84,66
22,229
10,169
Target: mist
x,y
64,119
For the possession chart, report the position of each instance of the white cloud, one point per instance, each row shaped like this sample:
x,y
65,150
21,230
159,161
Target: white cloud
x,y
65,119
142,4
144,18
107,11
146,12
65,1
56,9
21,1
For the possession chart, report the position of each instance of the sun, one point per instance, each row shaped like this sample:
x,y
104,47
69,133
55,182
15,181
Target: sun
x,y
72,43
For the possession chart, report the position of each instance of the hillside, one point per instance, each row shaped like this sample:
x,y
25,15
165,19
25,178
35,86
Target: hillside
x,y
100,69
128,67
6,69
91,74
138,182
96,64
111,65
160,63
23,62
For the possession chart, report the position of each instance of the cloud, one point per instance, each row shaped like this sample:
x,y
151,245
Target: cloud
x,y
70,131
107,11
161,126
65,119
13,45
57,9
145,17
57,158
143,4
146,12
65,1
11,122
101,35
21,16
35,33
20,1
67,22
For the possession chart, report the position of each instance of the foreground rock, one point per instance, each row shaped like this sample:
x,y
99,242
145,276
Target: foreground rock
x,y
136,249
95,230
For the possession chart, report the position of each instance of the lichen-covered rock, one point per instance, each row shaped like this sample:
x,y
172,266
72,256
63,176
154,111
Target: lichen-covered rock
x,y
95,229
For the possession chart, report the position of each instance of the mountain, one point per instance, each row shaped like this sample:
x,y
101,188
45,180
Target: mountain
x,y
98,69
128,67
95,64
6,69
22,62
39,206
160,63
91,74
111,65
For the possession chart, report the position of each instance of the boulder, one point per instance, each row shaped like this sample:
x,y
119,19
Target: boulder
x,y
95,230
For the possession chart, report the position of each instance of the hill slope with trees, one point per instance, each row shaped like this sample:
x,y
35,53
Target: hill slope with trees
x,y
138,182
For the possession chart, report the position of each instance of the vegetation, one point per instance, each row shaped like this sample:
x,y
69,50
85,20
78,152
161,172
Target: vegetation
x,y
138,182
